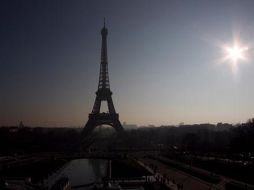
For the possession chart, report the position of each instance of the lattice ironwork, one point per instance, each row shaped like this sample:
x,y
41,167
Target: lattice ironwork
x,y
103,94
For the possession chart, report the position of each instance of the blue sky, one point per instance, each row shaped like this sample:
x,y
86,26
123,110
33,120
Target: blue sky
x,y
163,61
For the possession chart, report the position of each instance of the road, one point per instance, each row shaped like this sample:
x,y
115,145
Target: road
x,y
187,181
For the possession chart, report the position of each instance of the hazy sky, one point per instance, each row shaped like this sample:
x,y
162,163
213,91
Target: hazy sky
x,y
164,60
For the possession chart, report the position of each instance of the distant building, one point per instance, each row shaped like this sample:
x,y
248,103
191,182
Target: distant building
x,y
21,125
129,126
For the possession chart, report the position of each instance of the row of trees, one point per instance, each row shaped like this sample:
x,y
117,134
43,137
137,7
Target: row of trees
x,y
204,138
26,140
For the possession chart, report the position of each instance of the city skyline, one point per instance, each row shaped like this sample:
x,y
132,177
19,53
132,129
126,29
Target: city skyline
x,y
166,61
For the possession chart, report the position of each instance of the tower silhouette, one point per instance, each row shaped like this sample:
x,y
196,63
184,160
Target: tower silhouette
x,y
103,94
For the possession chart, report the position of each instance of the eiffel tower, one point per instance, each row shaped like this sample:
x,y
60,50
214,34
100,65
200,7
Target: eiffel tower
x,y
103,94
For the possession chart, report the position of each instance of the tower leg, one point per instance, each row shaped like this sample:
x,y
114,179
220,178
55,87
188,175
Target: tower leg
x,y
111,107
118,126
89,127
97,105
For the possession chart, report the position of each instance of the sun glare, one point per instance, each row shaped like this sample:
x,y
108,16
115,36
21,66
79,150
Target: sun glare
x,y
234,55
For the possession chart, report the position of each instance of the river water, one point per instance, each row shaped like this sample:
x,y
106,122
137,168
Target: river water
x,y
80,172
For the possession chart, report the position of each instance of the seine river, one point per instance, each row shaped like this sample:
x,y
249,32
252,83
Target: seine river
x,y
80,172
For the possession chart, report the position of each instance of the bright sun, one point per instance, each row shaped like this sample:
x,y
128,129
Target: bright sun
x,y
236,53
